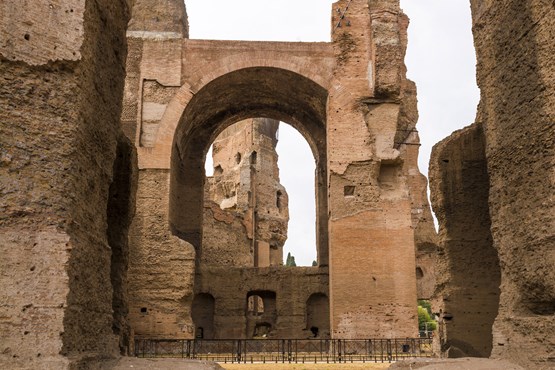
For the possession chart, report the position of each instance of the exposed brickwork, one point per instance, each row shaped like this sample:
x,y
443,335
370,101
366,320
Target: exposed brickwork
x,y
161,266
245,222
514,43
62,83
328,91
62,74
374,225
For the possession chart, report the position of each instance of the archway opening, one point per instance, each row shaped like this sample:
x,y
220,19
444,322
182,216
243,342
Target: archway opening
x,y
260,173
251,92
202,313
261,313
235,98
297,175
318,315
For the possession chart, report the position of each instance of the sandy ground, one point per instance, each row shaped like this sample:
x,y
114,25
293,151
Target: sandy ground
x,y
133,363
129,363
467,363
304,366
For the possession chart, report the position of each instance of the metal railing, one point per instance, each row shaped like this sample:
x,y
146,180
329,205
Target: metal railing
x,y
287,350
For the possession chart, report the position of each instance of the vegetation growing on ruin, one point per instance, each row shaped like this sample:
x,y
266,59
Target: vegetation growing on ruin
x,y
425,321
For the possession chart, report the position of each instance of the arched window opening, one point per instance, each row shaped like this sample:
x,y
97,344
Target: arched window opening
x,y
255,305
318,315
279,204
248,214
261,313
297,174
254,156
202,312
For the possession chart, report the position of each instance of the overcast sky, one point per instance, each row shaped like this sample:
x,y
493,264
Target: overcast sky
x,y
440,59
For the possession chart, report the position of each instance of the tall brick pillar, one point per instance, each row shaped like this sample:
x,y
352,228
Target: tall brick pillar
x,y
372,257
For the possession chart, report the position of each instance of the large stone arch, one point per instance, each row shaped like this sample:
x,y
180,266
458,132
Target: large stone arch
x,y
206,73
320,73
245,93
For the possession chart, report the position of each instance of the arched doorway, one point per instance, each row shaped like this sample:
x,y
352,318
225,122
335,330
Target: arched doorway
x,y
272,93
202,313
318,315
247,93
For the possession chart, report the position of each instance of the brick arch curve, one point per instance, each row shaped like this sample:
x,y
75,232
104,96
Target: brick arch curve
x,y
320,74
246,93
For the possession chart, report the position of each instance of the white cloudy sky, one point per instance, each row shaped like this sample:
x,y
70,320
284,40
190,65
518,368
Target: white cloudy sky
x,y
440,59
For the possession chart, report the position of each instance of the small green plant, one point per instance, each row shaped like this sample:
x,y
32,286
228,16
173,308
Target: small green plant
x,y
425,321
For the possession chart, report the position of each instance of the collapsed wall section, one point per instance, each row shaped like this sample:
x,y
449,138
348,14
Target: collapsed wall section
x,y
516,75
467,266
246,208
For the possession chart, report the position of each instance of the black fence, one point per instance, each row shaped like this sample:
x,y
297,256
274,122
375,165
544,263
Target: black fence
x,y
287,350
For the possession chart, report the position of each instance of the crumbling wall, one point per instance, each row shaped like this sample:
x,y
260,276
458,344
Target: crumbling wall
x,y
244,229
352,102
467,265
161,266
121,210
285,293
514,44
162,17
246,208
226,237
369,110
61,68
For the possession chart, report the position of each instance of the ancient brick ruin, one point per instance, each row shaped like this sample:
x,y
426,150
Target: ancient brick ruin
x,y
493,192
180,94
109,226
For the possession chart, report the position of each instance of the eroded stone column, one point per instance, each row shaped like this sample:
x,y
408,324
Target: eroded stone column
x,y
467,265
62,71
516,75
246,208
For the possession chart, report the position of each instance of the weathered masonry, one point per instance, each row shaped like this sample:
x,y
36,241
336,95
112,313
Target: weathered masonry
x,y
103,185
493,190
352,103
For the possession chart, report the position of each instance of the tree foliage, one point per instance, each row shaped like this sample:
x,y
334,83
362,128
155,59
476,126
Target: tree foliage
x,y
425,321
290,261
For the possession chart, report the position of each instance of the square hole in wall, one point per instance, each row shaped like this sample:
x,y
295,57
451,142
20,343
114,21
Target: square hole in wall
x,y
349,191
